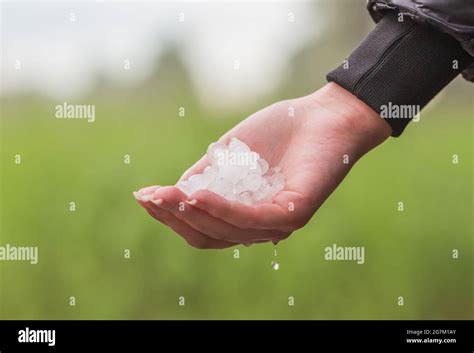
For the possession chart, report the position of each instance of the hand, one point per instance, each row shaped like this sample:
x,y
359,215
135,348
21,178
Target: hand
x,y
307,138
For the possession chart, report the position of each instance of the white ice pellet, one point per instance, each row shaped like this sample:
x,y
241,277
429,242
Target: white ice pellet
x,y
263,164
246,198
236,145
230,173
215,150
278,181
221,187
236,173
239,188
252,182
184,187
199,181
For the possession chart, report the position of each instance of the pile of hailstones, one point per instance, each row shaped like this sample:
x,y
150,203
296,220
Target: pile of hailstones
x,y
236,173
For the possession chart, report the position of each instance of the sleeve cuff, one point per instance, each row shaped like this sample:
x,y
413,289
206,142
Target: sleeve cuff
x,y
400,67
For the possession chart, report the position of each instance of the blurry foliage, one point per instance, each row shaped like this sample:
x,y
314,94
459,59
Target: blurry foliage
x,y
81,253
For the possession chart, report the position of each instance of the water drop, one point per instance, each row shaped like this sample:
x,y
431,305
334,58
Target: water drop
x,y
275,265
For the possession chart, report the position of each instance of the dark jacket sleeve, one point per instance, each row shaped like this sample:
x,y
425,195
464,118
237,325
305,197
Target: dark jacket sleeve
x,y
454,17
403,63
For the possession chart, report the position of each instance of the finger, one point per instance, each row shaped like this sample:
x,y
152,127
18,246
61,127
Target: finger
x,y
256,242
149,190
142,200
190,235
196,168
157,216
193,237
275,215
173,202
219,229
147,206
156,212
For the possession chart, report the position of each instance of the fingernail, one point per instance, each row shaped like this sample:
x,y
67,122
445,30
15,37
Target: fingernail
x,y
136,196
148,190
157,202
146,197
192,202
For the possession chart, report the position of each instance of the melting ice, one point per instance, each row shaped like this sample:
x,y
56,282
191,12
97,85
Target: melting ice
x,y
236,173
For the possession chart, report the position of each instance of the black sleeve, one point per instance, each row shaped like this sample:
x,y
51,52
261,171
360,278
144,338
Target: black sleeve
x,y
400,65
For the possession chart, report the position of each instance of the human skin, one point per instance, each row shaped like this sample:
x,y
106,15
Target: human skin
x,y
307,138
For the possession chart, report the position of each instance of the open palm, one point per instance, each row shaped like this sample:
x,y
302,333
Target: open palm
x,y
312,139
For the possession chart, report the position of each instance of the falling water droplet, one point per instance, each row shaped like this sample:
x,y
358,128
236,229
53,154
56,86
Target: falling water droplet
x,y
275,265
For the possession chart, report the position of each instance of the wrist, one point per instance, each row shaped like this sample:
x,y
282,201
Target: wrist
x,y
351,118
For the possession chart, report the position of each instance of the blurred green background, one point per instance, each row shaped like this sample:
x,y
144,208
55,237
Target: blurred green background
x,y
81,253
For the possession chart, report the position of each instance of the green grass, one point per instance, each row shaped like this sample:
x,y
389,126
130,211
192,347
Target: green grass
x,y
81,253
